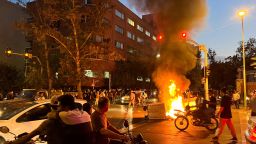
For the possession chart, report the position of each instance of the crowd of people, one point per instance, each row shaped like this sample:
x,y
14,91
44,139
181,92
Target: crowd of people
x,y
136,96
94,127
71,122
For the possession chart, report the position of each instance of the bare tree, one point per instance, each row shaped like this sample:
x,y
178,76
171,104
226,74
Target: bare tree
x,y
78,29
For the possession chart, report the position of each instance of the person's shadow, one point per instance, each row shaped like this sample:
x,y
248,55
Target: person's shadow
x,y
232,142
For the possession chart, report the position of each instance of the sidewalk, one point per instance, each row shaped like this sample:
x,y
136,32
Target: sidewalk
x,y
240,119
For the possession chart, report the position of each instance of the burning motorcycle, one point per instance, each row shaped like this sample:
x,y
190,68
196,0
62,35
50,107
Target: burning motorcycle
x,y
183,118
134,139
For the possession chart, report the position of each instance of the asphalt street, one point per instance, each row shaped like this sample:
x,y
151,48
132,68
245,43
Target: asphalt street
x,y
164,132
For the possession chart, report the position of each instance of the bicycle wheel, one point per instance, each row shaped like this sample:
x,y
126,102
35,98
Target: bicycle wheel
x,y
181,123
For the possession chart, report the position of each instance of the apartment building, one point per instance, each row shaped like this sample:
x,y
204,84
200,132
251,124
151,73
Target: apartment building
x,y
130,33
133,36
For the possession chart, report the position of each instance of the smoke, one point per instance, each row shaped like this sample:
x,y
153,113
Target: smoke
x,y
173,17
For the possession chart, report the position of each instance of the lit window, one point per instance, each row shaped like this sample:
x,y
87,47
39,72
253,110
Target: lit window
x,y
147,33
119,29
119,14
140,28
154,37
139,78
119,45
89,73
130,35
131,22
106,74
130,51
140,40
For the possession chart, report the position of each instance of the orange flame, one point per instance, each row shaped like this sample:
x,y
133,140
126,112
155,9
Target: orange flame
x,y
175,101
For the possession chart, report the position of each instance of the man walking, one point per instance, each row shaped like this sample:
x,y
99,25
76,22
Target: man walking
x,y
225,116
132,99
236,98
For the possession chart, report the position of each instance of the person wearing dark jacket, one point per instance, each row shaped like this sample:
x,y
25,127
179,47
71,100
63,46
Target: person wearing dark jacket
x,y
67,125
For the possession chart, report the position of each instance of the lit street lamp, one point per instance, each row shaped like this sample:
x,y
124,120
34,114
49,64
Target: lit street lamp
x,y
242,14
26,55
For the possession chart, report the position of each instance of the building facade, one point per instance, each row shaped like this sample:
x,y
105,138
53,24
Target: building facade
x,y
10,36
134,37
130,33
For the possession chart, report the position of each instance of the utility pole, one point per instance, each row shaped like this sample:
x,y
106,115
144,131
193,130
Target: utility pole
x,y
206,65
109,81
206,68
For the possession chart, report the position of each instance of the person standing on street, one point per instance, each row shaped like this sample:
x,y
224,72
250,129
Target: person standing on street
x,y
236,98
253,104
225,116
1,96
132,99
97,98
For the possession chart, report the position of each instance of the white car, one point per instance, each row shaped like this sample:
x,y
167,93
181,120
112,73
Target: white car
x,y
250,133
23,116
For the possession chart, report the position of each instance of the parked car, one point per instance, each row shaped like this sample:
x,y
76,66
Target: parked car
x,y
250,133
125,99
21,115
33,94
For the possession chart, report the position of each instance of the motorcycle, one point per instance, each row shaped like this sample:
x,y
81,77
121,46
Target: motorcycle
x,y
6,130
182,120
134,139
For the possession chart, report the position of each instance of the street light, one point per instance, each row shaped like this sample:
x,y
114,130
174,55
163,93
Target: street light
x,y
242,14
27,56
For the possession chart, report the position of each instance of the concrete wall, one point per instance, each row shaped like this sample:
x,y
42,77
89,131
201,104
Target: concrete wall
x,y
10,36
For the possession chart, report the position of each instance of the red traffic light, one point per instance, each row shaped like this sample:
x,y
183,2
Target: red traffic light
x,y
160,37
184,35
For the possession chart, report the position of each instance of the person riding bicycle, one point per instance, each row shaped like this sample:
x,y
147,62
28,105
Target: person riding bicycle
x,y
203,112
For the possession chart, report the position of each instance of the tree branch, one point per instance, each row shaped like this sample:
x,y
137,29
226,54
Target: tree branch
x,y
58,38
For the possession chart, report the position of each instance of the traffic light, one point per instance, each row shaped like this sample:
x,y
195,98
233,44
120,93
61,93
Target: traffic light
x,y
160,37
203,80
253,63
208,72
184,35
28,55
9,52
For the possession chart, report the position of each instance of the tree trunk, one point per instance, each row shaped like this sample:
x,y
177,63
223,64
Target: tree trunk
x,y
48,69
78,64
79,81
